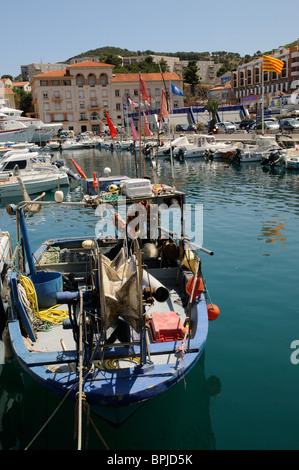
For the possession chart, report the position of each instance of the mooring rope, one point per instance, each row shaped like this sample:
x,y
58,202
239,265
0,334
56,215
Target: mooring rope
x,y
50,315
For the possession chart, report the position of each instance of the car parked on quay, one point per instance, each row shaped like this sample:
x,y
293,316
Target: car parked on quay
x,y
225,126
246,123
269,124
289,124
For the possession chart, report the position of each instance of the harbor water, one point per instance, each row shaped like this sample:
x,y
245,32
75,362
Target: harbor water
x,y
243,393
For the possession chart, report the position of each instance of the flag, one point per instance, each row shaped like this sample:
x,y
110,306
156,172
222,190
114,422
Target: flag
x,y
134,132
112,129
130,102
163,108
143,90
270,64
175,90
147,131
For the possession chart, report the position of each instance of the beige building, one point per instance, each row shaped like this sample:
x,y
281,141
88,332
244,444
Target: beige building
x,y
28,71
22,86
7,97
247,79
175,65
78,96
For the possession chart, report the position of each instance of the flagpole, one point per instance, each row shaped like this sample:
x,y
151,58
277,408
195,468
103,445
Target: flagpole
x,y
168,106
262,98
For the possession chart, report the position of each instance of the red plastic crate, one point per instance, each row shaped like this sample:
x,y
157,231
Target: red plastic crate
x,y
166,326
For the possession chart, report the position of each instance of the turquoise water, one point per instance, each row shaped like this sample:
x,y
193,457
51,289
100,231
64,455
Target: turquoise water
x,y
243,394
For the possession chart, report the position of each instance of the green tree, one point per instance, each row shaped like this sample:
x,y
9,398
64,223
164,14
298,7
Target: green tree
x,y
190,75
112,59
24,100
7,76
212,106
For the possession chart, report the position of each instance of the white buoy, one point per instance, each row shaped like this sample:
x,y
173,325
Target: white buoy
x,y
58,196
107,170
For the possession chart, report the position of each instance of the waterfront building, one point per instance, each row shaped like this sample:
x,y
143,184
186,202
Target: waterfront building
x,y
79,95
247,79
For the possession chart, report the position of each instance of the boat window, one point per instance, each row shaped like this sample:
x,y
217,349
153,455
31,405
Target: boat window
x,y
10,165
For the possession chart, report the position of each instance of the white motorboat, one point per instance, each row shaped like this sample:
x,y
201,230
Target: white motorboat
x,y
203,145
12,130
37,176
176,144
42,132
264,146
290,159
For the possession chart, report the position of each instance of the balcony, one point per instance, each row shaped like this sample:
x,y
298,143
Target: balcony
x,y
56,99
94,107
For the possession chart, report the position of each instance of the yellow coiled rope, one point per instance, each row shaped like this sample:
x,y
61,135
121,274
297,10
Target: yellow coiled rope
x,y
52,314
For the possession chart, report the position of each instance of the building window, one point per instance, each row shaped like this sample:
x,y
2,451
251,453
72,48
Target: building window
x,y
92,79
82,105
55,83
66,82
45,95
92,94
68,94
103,79
47,118
117,93
94,116
105,103
56,94
57,106
58,117
135,92
79,80
118,108
44,83
82,117
157,92
104,93
70,117
175,104
69,105
81,94
46,106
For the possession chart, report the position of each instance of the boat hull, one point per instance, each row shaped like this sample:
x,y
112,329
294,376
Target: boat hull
x,y
34,186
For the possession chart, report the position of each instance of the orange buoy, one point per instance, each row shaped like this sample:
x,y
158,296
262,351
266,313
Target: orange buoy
x,y
198,288
95,183
213,312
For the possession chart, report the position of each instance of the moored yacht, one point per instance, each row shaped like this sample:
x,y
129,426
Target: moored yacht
x,y
14,131
41,132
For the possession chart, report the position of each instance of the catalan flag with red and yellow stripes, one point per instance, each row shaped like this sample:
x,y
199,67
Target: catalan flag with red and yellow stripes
x,y
270,64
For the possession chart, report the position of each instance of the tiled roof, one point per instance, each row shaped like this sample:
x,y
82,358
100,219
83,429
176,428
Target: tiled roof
x,y
53,73
6,91
90,63
147,77
20,83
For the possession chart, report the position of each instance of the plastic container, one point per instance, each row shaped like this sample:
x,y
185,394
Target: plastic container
x,y
166,326
137,187
46,285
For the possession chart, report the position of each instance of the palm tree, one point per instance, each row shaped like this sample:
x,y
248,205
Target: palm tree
x,y
212,106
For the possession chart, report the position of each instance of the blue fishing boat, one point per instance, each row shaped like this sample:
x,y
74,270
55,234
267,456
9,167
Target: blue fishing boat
x,y
128,311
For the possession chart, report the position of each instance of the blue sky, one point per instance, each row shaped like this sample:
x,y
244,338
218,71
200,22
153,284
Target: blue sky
x,y
55,30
